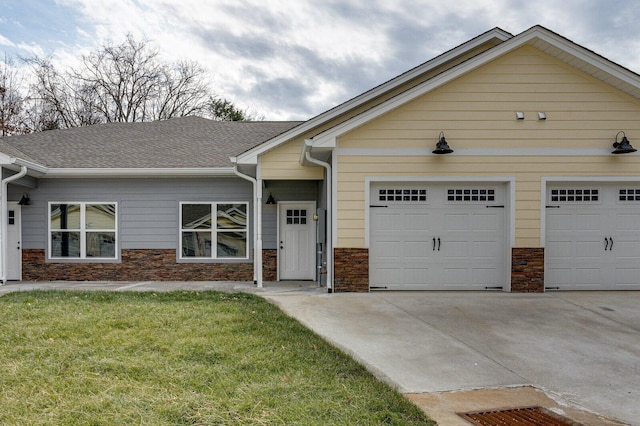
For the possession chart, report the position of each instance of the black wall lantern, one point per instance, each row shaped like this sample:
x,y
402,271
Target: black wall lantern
x,y
24,201
442,147
624,146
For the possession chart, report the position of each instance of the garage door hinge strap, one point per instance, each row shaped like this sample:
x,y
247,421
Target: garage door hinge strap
x,y
380,206
495,207
553,207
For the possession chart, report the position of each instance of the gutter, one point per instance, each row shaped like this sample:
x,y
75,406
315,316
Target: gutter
x,y
306,150
139,172
257,223
3,220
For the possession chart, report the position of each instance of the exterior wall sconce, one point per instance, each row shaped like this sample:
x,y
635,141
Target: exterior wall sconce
x,y
624,146
442,147
270,200
542,116
24,201
519,115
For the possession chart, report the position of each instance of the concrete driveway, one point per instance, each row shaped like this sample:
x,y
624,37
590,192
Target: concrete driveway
x,y
577,353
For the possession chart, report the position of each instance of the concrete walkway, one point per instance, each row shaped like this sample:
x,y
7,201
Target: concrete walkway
x,y
576,353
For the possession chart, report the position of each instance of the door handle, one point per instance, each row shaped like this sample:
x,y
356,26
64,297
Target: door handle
x,y
611,245
438,243
606,244
281,246
434,244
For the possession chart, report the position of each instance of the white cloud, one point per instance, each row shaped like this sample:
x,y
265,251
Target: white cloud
x,y
294,59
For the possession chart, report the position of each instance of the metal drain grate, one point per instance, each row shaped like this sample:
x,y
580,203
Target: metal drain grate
x,y
529,416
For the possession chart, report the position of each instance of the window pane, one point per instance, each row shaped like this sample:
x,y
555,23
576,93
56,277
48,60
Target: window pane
x,y
196,244
65,216
232,216
65,244
232,244
100,216
196,216
101,244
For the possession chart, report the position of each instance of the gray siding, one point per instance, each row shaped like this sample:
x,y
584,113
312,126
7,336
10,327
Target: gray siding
x,y
306,190
147,208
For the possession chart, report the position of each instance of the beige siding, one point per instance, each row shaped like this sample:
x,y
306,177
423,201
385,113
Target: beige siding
x,y
478,111
284,163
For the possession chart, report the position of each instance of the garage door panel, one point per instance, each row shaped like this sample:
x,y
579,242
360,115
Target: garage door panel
x,y
455,250
487,223
486,277
586,250
388,222
419,222
626,277
588,222
416,251
457,222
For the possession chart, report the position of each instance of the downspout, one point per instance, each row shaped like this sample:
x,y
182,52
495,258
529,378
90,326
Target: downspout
x,y
257,223
3,219
307,155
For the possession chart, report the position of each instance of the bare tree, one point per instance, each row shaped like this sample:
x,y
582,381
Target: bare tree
x,y
119,83
11,100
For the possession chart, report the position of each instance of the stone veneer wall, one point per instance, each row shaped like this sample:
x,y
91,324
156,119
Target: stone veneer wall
x,y
269,265
136,265
527,270
351,270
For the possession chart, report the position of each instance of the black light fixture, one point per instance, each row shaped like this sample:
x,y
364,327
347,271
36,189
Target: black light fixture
x,y
270,200
442,147
624,146
24,201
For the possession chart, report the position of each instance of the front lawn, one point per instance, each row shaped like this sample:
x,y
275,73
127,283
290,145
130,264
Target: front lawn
x,y
180,358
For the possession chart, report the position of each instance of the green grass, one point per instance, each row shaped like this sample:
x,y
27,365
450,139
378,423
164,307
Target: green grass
x,y
180,358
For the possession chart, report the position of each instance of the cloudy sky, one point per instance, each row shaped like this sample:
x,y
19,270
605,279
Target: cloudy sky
x,y
293,59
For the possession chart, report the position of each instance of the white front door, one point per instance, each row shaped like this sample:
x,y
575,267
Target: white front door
x,y
297,240
435,236
14,246
592,237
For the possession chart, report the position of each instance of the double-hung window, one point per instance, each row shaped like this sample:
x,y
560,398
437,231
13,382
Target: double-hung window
x,y
83,230
213,230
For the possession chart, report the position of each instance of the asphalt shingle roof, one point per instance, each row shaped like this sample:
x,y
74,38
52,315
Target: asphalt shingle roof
x,y
185,142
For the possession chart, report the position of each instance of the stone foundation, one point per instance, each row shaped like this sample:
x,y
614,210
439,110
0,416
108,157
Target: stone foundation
x,y
136,265
527,270
351,270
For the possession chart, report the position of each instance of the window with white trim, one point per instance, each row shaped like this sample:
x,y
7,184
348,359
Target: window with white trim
x,y
83,230
203,237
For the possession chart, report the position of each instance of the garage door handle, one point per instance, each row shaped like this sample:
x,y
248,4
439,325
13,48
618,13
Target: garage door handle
x,y
606,243
438,243
434,244
611,246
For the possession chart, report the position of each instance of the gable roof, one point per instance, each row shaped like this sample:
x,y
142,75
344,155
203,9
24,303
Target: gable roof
x,y
492,37
538,36
185,142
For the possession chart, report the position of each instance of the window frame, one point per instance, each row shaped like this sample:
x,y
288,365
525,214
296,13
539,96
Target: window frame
x,y
83,231
213,231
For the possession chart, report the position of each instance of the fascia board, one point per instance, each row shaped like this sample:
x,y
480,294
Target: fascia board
x,y
140,173
251,156
587,56
329,137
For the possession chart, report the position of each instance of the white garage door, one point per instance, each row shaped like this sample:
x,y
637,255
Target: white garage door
x,y
592,237
437,236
